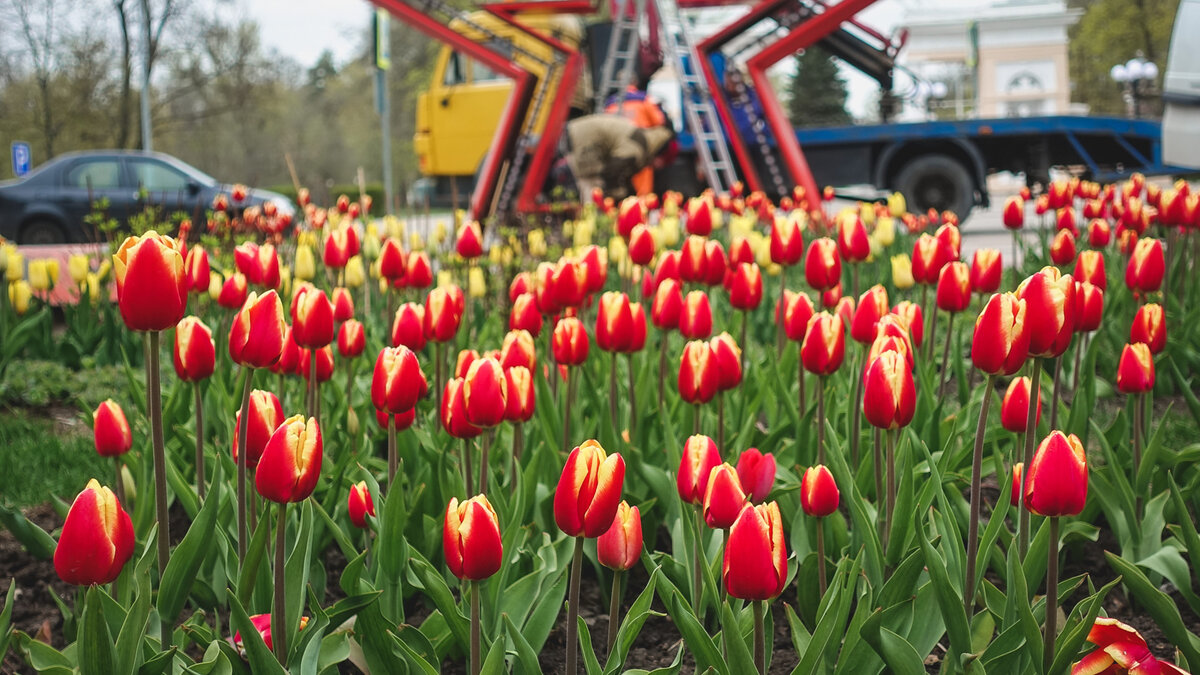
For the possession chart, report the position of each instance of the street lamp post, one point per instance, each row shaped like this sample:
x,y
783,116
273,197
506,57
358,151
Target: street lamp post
x,y
1136,75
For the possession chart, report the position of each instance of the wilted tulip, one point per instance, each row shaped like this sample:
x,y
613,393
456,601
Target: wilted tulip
x,y
723,497
620,547
1014,409
589,490
471,539
1135,372
291,463
360,504
818,492
1150,327
111,430
151,282
256,337
96,540
755,565
1057,480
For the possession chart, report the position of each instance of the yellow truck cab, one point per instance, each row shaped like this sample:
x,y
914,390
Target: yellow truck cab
x,y
459,112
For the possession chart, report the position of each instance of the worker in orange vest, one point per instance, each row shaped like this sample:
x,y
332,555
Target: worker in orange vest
x,y
644,112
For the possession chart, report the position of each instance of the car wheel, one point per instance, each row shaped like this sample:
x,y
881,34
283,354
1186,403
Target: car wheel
x,y
937,182
42,232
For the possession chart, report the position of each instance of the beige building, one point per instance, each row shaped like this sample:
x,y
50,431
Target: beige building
x,y
996,58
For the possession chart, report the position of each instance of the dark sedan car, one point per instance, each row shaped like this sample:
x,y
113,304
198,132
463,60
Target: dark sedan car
x,y
48,206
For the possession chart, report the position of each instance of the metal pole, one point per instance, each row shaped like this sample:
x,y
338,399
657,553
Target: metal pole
x,y
385,135
147,132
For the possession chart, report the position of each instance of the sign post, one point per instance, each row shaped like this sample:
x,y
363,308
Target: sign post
x,y
22,158
383,105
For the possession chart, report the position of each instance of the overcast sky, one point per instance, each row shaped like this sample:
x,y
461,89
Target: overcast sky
x,y
302,29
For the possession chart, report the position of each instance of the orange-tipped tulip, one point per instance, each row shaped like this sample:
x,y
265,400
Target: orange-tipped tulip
x,y
1135,372
454,411
1049,310
1146,266
443,313
471,539
818,492
729,361
485,393
195,354
954,287
986,268
1062,248
614,322
698,375
408,327
351,339
1089,267
889,396
620,547
668,305
872,306
1089,307
291,463
700,457
696,320
756,471
822,267
1057,480
312,318
398,380
360,504
256,338
521,394
1150,327
746,287
1014,409
96,539
110,430
723,497
824,344
797,310
787,244
755,565
589,491
151,282
1001,341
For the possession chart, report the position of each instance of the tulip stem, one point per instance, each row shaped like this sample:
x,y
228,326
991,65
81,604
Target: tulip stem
x,y
393,459
931,336
878,470
1137,451
242,432
745,348
1051,596
486,449
779,314
945,379
160,470
760,643
476,651
976,480
1035,379
696,419
821,555
856,412
632,398
1054,406
890,505
820,419
697,562
854,280
1075,373
662,368
573,609
438,357
518,446
614,612
720,420
199,404
566,442
468,466
278,613
803,389
612,394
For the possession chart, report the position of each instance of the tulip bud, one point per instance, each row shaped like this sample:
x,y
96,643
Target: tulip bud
x,y
589,491
818,492
360,504
910,313
454,411
1062,248
408,327
1150,327
1050,311
889,396
485,393
521,394
1146,266
570,342
351,339
291,463
443,313
1089,267
755,564
822,267
700,457
797,310
698,375
986,269
312,318
621,545
1135,372
614,322
111,430
1089,307
256,337
471,539
1014,409
668,305
151,282
398,380
787,244
96,540
343,304
1001,340
756,471
824,344
1056,482
525,315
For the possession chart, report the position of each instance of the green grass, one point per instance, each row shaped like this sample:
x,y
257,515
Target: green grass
x,y
38,460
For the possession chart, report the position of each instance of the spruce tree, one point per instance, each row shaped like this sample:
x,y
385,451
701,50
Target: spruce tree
x,y
817,95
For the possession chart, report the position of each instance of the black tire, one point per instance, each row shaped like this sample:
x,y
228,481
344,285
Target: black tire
x,y
939,182
42,232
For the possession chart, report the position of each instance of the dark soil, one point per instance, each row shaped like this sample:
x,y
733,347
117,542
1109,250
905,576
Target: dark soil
x,y
34,611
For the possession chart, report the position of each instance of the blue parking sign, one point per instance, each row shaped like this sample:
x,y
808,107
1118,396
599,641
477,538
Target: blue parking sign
x,y
22,158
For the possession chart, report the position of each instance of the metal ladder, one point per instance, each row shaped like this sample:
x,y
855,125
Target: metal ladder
x,y
513,173
620,60
697,100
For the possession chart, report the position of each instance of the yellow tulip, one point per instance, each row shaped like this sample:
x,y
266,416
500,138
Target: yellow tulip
x,y
718,218
669,226
370,245
885,231
902,275
537,243
285,280
506,256
215,282
670,209
476,286
19,294
39,275
866,211
741,226
4,253
618,251
93,287
79,267
445,278
416,242
896,205
105,268
16,265
495,255
356,273
307,238
52,270
305,263
439,232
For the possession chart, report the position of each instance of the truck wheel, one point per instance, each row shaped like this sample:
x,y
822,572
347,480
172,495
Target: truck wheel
x,y
42,232
937,182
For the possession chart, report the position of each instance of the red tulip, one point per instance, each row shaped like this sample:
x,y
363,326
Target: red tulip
x,y
852,241
1057,480
787,244
1121,649
589,491
343,304
398,380
746,287
667,267
1014,498
324,363
485,393
630,214
520,399
986,269
1065,221
1001,341
340,246
443,313
359,504
518,350
151,283
755,565
1089,267
740,252
756,471
1089,307
717,263
872,306
637,341
96,539
469,242
195,354
312,318
824,344
1099,233
822,267
614,322
797,310
699,216
929,255
641,245
570,283
420,270
408,327
454,411
471,539
818,492
570,342
910,312
696,321
198,270
1014,409
1050,310
693,260
393,261
954,287
1062,248
832,298
889,396
111,430
351,339
1135,372
595,268
525,315
256,337
668,305
1149,326
698,376
723,497
233,292
700,457
728,357
291,463
1014,213
621,545
1146,266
